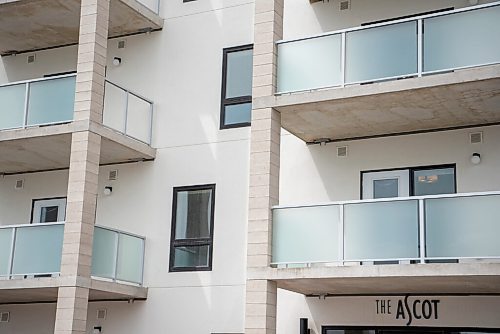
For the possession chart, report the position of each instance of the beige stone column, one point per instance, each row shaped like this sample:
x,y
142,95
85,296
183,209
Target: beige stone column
x,y
72,302
260,317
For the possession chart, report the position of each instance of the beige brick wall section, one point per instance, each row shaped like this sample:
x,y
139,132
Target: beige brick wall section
x,y
260,310
71,317
260,316
92,48
72,302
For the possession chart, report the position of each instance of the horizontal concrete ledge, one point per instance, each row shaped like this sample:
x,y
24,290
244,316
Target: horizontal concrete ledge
x,y
104,290
145,151
45,289
136,6
460,99
43,131
336,93
48,147
382,279
28,25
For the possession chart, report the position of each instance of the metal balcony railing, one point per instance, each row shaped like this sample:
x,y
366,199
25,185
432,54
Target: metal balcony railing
x,y
37,102
128,112
49,101
412,47
119,256
419,229
35,250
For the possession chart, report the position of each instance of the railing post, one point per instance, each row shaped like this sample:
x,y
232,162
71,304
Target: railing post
x,y
158,7
342,58
26,105
420,49
117,244
126,112
421,225
341,234
11,255
151,113
142,260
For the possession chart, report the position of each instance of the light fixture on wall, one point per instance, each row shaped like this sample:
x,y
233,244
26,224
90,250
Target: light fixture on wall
x,y
108,190
117,61
473,2
475,158
97,330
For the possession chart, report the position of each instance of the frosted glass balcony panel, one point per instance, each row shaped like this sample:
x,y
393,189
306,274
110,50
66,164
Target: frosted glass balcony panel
x,y
130,259
115,104
381,52
307,234
51,101
104,253
12,106
138,118
5,246
38,249
463,226
381,230
308,64
462,39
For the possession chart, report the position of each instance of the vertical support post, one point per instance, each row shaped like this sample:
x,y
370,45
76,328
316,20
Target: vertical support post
x,y
261,294
26,105
420,48
142,260
151,115
76,260
126,112
421,229
341,235
342,56
117,250
12,249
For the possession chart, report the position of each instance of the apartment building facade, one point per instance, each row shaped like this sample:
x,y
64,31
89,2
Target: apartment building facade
x,y
233,166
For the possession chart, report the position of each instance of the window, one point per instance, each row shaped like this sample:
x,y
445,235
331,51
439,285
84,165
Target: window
x,y
48,210
403,182
236,105
192,228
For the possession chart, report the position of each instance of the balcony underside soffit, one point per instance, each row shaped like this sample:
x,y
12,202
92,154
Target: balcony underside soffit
x,y
32,25
49,148
397,107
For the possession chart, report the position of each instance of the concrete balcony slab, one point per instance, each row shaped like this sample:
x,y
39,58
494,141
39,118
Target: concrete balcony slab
x,y
45,289
442,278
49,147
459,99
28,25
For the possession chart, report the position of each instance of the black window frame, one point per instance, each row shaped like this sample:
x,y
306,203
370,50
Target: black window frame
x,y
233,100
191,242
411,171
34,200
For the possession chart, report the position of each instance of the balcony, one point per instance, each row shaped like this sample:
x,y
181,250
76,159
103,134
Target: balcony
x,y
30,261
33,25
36,122
423,73
441,243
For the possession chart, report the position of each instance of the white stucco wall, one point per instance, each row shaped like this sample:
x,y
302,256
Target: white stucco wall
x,y
449,311
180,69
301,19
314,173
